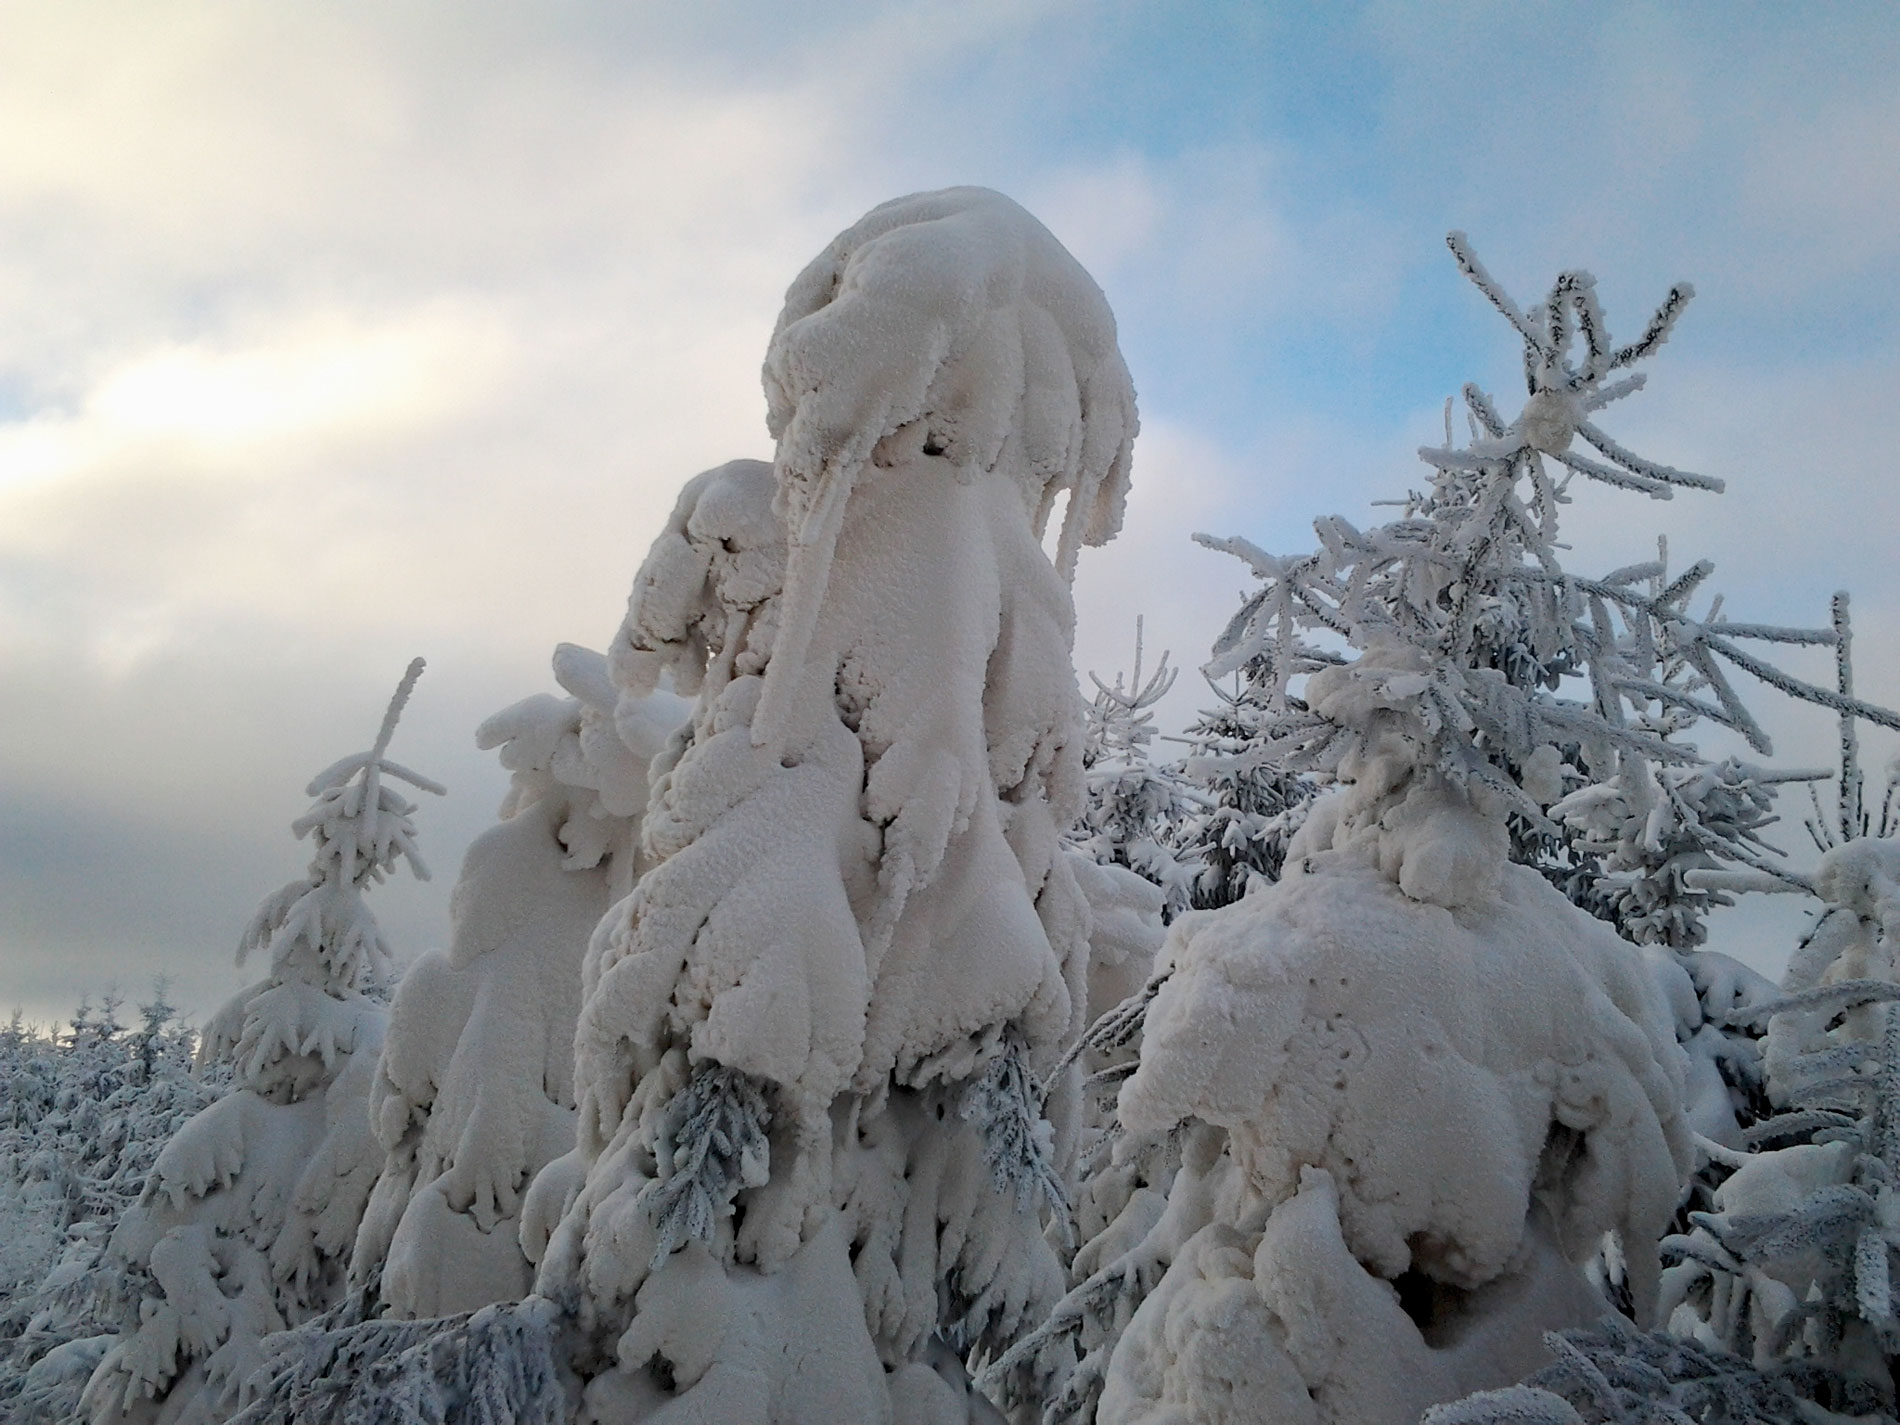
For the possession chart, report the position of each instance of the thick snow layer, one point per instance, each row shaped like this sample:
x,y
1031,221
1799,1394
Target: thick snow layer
x,y
1125,930
1863,877
474,1091
1452,1097
1286,1324
473,1094
957,317
857,899
244,1227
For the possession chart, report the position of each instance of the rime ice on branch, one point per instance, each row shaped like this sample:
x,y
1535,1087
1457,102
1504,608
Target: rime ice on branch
x,y
1133,805
1468,587
1310,1051
860,904
245,1222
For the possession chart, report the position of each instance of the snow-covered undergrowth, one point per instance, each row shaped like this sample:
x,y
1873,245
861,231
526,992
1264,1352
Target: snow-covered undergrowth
x,y
83,1116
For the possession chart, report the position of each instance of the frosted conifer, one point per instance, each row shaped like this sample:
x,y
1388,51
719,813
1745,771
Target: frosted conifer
x,y
474,1089
245,1223
1779,1303
1478,631
1454,682
1136,806
860,899
1249,805
83,1115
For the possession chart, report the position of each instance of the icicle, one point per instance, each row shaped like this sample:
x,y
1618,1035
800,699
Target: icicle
x,y
807,575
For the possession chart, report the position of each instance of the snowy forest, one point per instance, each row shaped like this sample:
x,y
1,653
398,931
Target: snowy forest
x,y
855,1015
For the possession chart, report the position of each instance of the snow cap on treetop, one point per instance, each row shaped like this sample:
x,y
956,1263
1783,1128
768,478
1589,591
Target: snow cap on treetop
x,y
957,310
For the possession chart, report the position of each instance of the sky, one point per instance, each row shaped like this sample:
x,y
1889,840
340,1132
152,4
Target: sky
x,y
334,335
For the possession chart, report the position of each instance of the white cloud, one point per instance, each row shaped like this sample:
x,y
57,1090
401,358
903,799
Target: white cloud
x,y
1107,214
1152,570
325,379
331,335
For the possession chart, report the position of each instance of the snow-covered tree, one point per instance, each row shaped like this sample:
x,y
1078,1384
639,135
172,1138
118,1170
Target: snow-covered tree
x,y
245,1222
83,1115
1323,1052
474,1090
1778,1303
1134,806
814,1167
817,1153
1793,1263
1249,806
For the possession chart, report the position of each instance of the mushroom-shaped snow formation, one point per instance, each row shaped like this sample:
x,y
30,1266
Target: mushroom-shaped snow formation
x,y
810,1034
1431,1113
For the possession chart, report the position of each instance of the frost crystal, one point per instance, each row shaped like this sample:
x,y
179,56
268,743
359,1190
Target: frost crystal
x,y
712,1144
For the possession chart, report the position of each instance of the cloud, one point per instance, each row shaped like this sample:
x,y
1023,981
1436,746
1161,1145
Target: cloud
x,y
332,335
312,385
1830,181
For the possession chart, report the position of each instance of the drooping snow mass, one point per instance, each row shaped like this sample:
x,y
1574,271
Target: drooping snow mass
x,y
473,1092
245,1223
859,905
1452,1097
1779,1302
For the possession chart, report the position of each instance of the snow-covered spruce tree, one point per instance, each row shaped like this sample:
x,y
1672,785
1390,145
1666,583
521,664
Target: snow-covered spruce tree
x,y
1653,847
1792,1267
55,1171
1249,805
815,1160
82,1118
1779,1305
1133,805
1783,1269
245,1223
1413,1086
474,1089
814,1167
